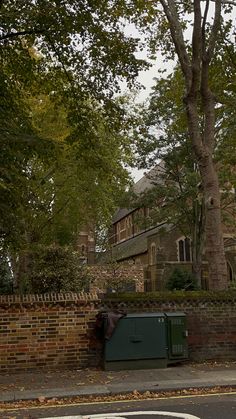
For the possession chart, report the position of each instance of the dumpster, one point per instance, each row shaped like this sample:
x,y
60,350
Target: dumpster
x,y
139,341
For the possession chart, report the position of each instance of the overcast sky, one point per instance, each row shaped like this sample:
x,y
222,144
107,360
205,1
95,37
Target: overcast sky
x,y
146,78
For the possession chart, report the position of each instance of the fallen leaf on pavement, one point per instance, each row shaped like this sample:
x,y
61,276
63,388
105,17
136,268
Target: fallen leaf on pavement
x,y
135,392
147,393
41,399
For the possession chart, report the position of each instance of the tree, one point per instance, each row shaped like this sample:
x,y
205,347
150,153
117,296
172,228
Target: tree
x,y
84,39
168,20
181,280
61,60
77,182
6,284
162,134
55,269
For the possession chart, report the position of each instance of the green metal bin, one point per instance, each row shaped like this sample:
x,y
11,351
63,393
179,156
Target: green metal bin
x,y
139,341
176,336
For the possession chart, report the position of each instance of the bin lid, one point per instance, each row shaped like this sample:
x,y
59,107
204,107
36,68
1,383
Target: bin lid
x,y
138,315
175,314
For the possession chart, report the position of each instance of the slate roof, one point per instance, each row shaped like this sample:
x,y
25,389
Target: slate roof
x,y
143,184
121,213
149,178
134,246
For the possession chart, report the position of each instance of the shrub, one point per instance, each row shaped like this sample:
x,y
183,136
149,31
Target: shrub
x,y
181,280
57,269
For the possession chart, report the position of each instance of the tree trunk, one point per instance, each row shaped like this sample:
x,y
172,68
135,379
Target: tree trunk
x,y
198,240
203,146
214,246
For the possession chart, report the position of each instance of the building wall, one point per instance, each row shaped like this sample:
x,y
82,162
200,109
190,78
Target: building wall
x,y
167,259
129,226
57,330
86,245
116,276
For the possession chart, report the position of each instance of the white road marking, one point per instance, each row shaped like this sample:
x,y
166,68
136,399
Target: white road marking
x,y
123,415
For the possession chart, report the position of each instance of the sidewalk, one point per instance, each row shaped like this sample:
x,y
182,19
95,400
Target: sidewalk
x,y
58,384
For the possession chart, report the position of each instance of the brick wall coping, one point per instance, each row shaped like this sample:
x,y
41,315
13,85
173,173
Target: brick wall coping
x,y
48,298
172,298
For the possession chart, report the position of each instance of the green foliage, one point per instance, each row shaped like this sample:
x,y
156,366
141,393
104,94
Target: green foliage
x,y
56,177
55,269
178,296
162,134
181,280
5,275
63,137
85,38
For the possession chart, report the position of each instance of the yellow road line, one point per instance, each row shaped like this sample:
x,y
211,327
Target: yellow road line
x,y
116,401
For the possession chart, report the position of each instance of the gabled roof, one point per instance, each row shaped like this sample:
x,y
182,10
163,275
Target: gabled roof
x,y
134,246
149,179
143,184
121,213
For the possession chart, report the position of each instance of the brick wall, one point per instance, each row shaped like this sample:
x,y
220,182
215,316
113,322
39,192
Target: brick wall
x,y
53,330
57,330
211,322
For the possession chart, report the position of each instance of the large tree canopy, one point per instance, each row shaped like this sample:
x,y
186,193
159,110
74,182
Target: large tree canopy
x,y
63,137
85,38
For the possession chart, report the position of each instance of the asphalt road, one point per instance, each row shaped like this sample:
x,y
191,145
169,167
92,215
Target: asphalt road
x,y
203,407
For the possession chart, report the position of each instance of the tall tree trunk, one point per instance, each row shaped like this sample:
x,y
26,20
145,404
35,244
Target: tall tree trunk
x,y
203,145
200,109
213,226
198,240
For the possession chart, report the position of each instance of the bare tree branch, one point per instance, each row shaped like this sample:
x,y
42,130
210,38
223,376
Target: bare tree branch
x,y
208,99
214,31
204,26
177,36
196,48
21,33
53,215
229,2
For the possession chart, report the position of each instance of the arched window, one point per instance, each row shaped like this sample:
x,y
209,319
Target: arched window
x,y
153,254
229,272
128,226
118,232
83,250
184,249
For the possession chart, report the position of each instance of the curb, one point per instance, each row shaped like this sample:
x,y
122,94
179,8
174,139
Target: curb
x,y
109,391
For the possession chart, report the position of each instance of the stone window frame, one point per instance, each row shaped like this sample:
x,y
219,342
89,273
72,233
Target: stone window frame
x,y
121,229
183,239
230,272
128,226
153,253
